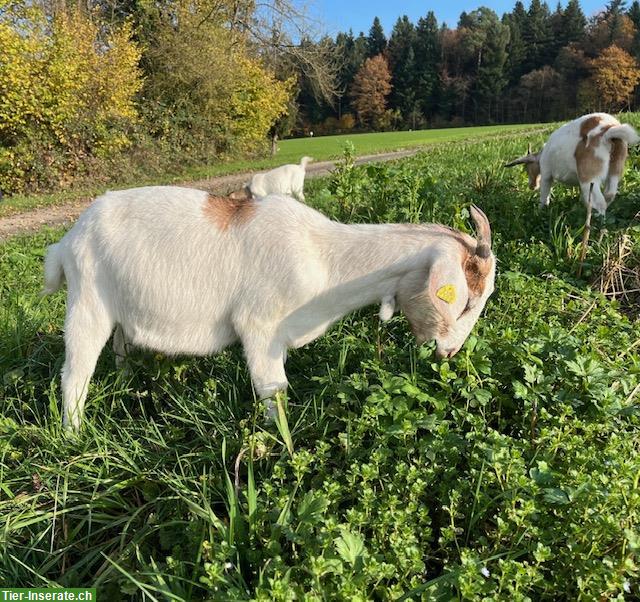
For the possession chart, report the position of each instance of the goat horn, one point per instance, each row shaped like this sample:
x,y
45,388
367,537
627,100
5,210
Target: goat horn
x,y
483,229
529,148
519,161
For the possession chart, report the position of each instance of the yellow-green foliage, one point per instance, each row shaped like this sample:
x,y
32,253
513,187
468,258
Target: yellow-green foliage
x,y
203,80
67,91
18,74
258,100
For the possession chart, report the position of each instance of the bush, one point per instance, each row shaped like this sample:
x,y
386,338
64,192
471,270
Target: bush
x,y
67,92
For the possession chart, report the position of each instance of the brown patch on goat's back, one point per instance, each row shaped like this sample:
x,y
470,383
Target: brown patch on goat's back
x,y
227,211
476,270
618,156
587,125
588,165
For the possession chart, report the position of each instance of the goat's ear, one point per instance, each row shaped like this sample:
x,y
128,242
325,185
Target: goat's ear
x,y
387,308
447,288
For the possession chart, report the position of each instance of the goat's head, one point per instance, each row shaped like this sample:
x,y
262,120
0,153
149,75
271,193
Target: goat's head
x,y
531,162
241,194
445,302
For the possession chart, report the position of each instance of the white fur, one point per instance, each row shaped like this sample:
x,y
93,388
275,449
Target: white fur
x,y
152,264
286,179
557,161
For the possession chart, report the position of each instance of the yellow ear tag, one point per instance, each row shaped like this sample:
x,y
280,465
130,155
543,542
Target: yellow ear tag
x,y
447,293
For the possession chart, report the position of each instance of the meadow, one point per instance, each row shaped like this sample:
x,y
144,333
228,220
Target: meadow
x,y
509,472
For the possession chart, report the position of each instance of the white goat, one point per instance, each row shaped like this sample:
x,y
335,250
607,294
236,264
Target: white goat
x,y
590,150
286,179
183,272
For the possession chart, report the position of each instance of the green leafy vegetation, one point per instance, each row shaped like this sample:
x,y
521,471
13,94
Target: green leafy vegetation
x,y
509,472
96,94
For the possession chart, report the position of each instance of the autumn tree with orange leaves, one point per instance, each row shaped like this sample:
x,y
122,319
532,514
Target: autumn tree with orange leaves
x,y
615,74
370,89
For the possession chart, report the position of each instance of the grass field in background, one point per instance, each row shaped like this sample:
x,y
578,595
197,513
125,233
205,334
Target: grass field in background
x,y
509,472
331,147
290,151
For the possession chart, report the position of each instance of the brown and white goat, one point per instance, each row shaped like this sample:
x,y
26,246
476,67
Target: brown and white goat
x,y
183,272
589,151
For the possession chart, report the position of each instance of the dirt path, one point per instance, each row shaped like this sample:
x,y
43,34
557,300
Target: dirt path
x,y
58,215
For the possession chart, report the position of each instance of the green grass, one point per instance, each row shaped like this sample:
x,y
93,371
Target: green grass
x,y
290,151
509,472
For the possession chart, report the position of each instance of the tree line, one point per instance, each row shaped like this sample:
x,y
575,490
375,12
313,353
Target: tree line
x,y
531,65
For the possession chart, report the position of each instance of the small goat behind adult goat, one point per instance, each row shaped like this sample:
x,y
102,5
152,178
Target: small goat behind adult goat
x,y
590,150
286,179
183,272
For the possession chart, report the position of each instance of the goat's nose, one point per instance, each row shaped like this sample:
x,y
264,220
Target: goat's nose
x,y
446,353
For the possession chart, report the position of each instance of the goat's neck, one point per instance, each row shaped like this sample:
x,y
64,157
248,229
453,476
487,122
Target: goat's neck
x,y
366,262
364,265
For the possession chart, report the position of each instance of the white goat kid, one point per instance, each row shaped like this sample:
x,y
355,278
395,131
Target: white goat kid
x,y
182,272
589,151
286,179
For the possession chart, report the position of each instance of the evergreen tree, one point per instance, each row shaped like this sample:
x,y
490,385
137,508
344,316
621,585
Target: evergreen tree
x,y
538,36
615,17
487,40
376,42
516,48
402,65
427,57
556,24
573,23
573,67
615,7
634,15
352,53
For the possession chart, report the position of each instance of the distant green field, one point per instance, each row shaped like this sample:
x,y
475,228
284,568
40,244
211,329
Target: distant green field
x,y
321,148
327,147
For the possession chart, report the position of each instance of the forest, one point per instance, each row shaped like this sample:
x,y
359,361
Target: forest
x,y
530,65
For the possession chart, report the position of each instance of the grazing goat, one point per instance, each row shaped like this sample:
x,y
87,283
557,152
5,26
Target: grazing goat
x,y
180,271
589,151
286,179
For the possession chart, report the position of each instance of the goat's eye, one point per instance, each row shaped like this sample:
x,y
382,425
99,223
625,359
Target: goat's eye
x,y
467,307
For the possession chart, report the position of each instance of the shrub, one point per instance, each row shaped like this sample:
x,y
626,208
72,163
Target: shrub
x,y
204,90
67,92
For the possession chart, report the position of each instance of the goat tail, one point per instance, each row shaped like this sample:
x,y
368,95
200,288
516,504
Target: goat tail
x,y
53,270
304,161
623,132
